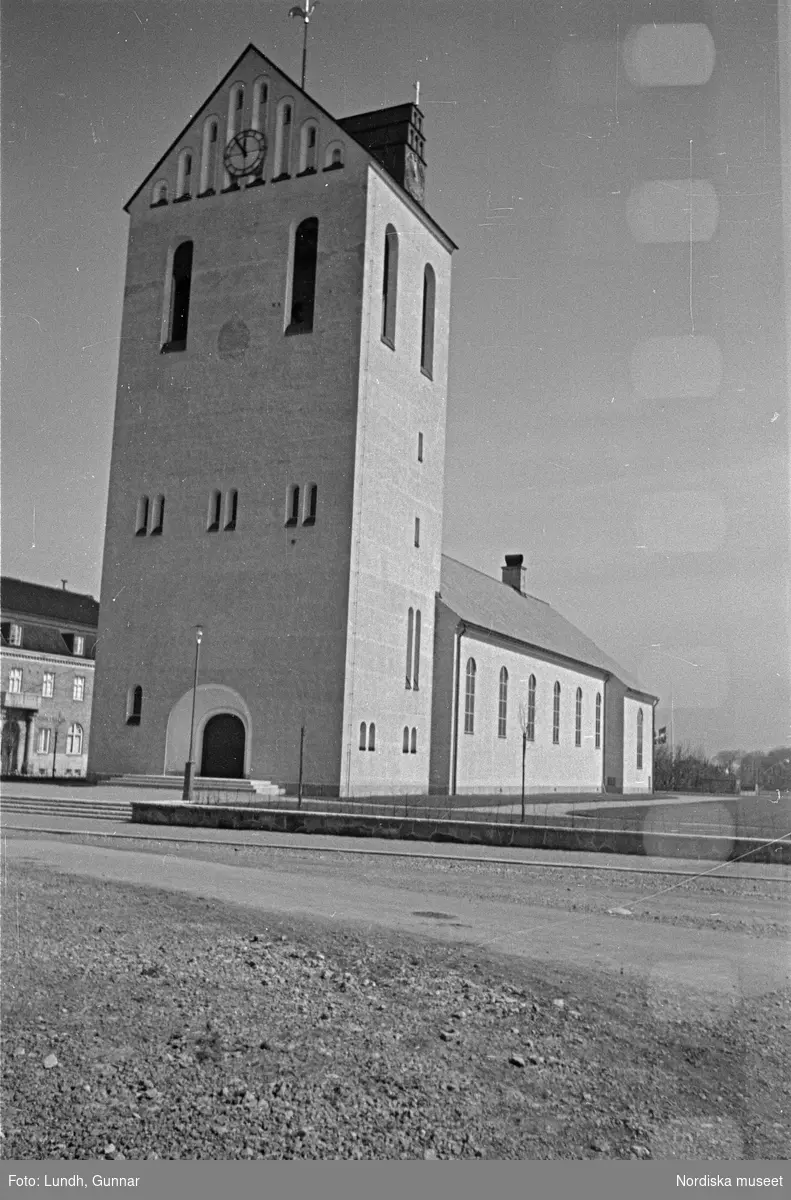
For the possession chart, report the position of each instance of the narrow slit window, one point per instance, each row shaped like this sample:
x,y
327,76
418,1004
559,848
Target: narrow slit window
x,y
184,178
427,328
413,741
134,705
208,168
180,283
372,736
531,709
141,517
469,696
292,505
556,715
303,276
420,447
311,504
390,287
410,632
158,521
416,667
597,726
363,735
639,739
578,718
417,531
308,149
502,704
215,512
405,742
283,143
231,510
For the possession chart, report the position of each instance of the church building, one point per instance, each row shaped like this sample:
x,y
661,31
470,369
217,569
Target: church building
x,y
277,482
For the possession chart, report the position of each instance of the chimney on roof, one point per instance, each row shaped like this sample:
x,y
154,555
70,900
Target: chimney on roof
x,y
64,582
514,572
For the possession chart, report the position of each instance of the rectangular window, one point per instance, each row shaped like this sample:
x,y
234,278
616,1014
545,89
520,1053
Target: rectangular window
x,y
469,697
215,512
78,688
502,705
79,644
48,684
15,681
15,635
417,531
44,739
531,709
179,300
311,504
303,277
578,719
598,721
159,516
420,447
390,287
416,665
427,330
231,510
292,505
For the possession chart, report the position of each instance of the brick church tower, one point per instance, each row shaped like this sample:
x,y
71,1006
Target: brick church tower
x,y
278,450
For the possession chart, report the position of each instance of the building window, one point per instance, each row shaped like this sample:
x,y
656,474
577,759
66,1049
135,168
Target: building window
x,y
308,147
159,194
74,740
283,141
179,305
44,741
363,736
405,742
469,697
311,504
78,645
639,739
78,688
15,681
48,685
231,510
531,709
390,287
184,176
303,276
235,109
417,531
416,659
134,705
420,447
372,736
141,517
413,741
215,512
556,715
260,101
578,718
292,505
158,523
410,633
597,726
502,704
208,170
15,635
427,328
333,158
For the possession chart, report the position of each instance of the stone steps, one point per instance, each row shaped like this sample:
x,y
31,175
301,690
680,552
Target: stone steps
x,y
54,806
174,783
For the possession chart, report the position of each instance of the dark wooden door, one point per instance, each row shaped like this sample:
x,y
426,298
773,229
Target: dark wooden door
x,y
223,748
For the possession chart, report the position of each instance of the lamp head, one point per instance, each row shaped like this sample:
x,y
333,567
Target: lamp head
x,y
199,634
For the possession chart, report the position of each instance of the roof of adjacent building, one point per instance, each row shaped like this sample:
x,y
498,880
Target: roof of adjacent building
x,y
33,600
499,608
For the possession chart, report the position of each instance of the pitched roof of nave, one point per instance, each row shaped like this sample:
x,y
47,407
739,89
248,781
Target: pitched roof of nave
x,y
500,609
250,50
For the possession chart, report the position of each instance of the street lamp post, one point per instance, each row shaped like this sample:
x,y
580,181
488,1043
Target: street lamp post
x,y
189,766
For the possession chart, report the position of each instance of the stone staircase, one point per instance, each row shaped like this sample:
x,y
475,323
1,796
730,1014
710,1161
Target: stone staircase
x,y
67,806
173,783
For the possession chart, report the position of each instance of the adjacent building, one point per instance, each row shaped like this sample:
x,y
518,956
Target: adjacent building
x,y
46,678
277,480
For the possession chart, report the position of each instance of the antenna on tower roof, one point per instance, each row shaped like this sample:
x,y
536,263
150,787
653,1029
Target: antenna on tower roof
x,y
304,14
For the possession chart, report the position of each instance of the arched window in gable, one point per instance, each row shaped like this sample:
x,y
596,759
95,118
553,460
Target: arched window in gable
x,y
208,167
390,287
303,276
260,104
235,109
308,148
179,299
333,157
283,131
184,176
639,739
159,193
427,328
469,696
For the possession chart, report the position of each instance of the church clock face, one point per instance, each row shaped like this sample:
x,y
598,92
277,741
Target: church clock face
x,y
245,153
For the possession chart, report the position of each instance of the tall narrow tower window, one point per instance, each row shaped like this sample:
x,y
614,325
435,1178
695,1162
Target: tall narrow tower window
x,y
420,447
283,141
215,512
178,315
410,635
208,166
184,178
308,148
311,504
416,664
303,277
417,531
231,509
292,505
260,104
390,287
141,517
134,705
427,330
158,520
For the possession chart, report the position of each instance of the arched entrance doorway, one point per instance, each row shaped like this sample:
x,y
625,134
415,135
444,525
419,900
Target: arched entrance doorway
x,y
222,756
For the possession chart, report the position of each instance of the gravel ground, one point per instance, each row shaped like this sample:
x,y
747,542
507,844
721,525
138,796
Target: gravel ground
x,y
139,1023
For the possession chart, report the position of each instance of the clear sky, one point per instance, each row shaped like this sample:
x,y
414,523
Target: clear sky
x,y
618,391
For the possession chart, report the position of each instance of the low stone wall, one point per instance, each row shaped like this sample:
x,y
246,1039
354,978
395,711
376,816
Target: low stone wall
x,y
545,837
